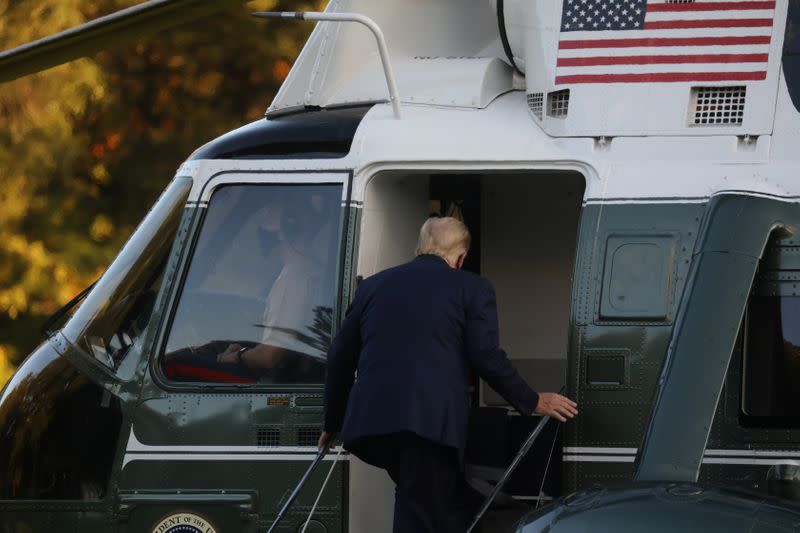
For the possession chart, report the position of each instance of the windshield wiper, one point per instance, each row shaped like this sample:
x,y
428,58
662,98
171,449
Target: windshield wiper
x,y
55,317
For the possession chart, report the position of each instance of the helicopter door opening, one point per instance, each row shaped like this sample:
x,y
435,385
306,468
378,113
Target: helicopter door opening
x,y
524,228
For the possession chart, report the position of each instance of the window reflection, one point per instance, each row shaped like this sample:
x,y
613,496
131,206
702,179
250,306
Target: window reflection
x,y
60,432
114,315
262,279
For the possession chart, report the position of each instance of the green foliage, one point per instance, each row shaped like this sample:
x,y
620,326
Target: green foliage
x,y
86,147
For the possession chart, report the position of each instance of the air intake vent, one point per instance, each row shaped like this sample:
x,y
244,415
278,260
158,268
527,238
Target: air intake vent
x,y
536,104
712,106
268,436
558,103
308,435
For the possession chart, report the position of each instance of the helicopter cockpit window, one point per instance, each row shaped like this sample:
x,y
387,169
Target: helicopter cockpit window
x,y
257,303
111,320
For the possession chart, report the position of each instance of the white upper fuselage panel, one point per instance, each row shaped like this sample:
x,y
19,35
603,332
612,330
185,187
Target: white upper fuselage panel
x,y
697,68
502,137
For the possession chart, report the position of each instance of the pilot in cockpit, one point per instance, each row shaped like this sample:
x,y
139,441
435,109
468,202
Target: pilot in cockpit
x,y
289,351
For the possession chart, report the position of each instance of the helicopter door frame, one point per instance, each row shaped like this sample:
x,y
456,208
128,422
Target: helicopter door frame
x,y
376,490
200,198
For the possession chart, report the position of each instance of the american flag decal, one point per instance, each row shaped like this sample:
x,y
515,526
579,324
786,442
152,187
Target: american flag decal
x,y
630,41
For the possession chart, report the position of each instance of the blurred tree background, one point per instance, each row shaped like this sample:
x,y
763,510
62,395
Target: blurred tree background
x,y
87,147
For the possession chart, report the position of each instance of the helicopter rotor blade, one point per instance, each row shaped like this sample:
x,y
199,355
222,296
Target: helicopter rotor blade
x,y
111,30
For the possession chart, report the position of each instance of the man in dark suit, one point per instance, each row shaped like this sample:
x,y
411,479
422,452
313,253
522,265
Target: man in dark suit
x,y
413,334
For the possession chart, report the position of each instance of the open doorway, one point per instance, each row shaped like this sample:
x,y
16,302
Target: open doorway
x,y
524,229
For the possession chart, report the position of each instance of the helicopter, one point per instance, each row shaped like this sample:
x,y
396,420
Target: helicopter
x,y
628,171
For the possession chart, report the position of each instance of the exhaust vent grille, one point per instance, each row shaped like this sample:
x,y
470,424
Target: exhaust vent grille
x,y
536,104
713,106
267,437
558,103
308,435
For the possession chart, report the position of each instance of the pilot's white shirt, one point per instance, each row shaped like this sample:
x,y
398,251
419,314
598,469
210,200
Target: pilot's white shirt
x,y
290,305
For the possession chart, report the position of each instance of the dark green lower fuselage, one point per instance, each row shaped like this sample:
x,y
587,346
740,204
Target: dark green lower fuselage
x,y
231,456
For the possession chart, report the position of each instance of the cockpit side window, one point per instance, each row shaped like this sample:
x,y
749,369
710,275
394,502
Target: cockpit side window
x,y
113,317
257,303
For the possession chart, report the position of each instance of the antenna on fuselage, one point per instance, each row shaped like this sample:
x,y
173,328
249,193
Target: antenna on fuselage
x,y
394,95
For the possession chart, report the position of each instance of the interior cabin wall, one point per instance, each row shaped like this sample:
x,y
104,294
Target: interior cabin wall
x,y
528,233
395,206
525,237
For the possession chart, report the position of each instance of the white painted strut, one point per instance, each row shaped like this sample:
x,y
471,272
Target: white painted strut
x,y
394,95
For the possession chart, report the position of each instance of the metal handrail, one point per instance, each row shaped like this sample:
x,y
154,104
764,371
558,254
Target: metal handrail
x,y
523,451
394,95
293,496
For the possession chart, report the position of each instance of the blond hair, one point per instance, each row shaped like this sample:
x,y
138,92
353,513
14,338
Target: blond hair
x,y
446,237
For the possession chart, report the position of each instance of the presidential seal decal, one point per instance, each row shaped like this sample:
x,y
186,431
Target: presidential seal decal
x,y
184,523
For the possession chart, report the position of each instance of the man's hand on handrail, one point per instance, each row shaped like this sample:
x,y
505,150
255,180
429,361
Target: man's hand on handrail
x,y
326,439
555,405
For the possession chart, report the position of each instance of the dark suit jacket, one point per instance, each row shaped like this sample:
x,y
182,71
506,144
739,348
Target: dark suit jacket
x,y
413,332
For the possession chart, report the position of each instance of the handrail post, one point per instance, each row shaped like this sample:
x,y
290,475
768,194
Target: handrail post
x,y
394,95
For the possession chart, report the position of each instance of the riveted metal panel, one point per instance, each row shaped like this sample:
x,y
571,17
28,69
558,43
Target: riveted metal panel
x,y
584,261
616,416
704,342
754,446
192,442
721,285
782,258
351,243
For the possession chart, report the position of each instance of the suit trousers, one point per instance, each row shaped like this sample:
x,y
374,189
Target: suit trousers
x,y
426,475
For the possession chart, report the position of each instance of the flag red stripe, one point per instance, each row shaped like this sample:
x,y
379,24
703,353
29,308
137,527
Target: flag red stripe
x,y
661,60
710,6
656,77
707,23
662,41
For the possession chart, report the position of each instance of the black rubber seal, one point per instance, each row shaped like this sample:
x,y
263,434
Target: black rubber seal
x,y
501,25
